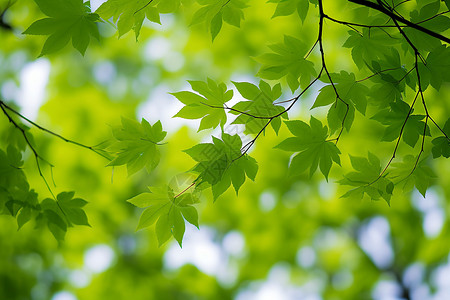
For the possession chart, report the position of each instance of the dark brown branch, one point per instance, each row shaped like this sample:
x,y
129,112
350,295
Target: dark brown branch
x,y
3,104
398,18
398,140
28,142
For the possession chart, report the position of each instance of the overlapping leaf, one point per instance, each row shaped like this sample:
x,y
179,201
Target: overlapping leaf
x,y
208,104
70,19
441,144
409,174
367,179
66,211
130,14
352,93
368,46
168,211
395,117
137,145
390,78
436,23
220,163
438,66
214,12
313,147
256,112
288,7
287,60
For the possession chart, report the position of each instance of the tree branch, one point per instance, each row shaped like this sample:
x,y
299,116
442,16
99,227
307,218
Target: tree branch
x,y
3,104
393,16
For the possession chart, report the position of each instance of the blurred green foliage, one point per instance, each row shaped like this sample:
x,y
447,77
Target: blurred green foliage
x,y
282,237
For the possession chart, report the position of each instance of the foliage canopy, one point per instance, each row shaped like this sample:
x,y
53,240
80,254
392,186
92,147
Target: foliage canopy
x,y
375,76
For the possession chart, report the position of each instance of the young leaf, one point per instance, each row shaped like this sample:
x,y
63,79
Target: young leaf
x,y
314,149
409,174
256,112
136,145
221,164
438,64
395,117
213,12
441,145
208,104
288,7
167,210
72,208
130,14
350,90
367,179
67,19
368,46
287,60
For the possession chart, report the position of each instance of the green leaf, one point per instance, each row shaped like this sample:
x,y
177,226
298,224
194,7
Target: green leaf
x,y
370,45
221,164
213,12
287,60
72,208
438,64
350,91
10,167
216,25
441,145
130,14
395,117
190,214
367,179
314,149
409,174
69,19
288,7
167,210
56,220
208,104
255,113
137,145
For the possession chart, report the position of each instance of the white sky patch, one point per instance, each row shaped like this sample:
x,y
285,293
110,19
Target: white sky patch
x,y
98,258
433,215
440,278
433,222
267,201
306,257
96,4
421,292
342,279
278,286
156,48
173,61
326,238
33,81
327,190
374,239
79,278
10,90
413,275
424,204
104,72
387,290
64,295
234,244
201,250
161,105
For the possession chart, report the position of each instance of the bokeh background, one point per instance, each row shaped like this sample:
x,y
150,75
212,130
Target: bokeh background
x,y
280,238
